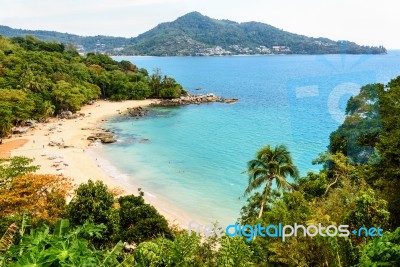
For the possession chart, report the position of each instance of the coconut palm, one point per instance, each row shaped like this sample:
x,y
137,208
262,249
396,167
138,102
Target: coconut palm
x,y
271,164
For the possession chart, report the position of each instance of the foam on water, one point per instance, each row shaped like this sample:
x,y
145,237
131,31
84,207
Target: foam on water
x,y
95,153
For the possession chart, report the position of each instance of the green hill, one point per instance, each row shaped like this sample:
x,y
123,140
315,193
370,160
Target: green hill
x,y
83,44
194,34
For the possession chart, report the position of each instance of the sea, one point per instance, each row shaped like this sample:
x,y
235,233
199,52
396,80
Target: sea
x,y
196,156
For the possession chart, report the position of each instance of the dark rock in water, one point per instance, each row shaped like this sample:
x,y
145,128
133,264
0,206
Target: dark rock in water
x,y
105,138
228,100
108,140
137,112
193,99
144,140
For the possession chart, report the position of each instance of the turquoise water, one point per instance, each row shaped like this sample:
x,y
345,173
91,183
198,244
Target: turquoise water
x,y
196,154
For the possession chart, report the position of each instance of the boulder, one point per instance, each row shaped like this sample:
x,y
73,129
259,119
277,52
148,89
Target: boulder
x,y
137,112
69,115
108,140
105,138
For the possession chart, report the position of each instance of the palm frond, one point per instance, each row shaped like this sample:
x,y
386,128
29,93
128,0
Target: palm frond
x,y
270,163
289,169
255,163
255,184
281,182
254,173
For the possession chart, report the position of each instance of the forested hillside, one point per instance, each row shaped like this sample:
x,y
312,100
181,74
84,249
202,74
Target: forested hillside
x,y
39,79
196,34
84,44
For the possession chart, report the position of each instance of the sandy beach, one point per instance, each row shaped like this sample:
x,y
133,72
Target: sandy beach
x,y
75,161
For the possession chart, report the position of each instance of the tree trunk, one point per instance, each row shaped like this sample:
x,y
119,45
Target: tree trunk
x,y
329,186
266,195
261,209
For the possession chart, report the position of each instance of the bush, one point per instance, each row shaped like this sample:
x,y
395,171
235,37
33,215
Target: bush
x,y
140,221
93,202
383,251
41,195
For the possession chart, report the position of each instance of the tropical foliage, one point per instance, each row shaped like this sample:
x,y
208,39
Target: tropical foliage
x,y
41,195
357,185
64,246
271,164
39,79
144,239
140,221
93,202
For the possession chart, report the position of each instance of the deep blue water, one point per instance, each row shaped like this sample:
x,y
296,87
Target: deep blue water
x,y
196,154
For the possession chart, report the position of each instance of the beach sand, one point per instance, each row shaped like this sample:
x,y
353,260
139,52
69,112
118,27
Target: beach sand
x,y
75,161
9,145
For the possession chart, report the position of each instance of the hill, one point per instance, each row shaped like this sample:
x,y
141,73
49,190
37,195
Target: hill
x,y
197,35
84,44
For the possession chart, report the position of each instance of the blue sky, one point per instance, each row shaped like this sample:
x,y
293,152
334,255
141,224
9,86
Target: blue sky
x,y
365,22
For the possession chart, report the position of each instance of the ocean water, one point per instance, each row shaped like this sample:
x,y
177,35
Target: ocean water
x,y
197,154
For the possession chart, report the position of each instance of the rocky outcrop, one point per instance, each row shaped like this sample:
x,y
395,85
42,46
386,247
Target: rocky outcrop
x,y
105,138
137,112
108,140
194,99
69,115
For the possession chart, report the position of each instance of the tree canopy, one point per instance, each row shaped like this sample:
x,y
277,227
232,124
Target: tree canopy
x,y
39,79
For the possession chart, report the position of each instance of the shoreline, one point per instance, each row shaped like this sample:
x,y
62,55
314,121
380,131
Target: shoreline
x,y
256,55
79,161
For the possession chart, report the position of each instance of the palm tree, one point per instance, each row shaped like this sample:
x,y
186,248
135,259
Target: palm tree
x,y
270,164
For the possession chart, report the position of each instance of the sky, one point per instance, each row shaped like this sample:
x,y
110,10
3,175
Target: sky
x,y
365,22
